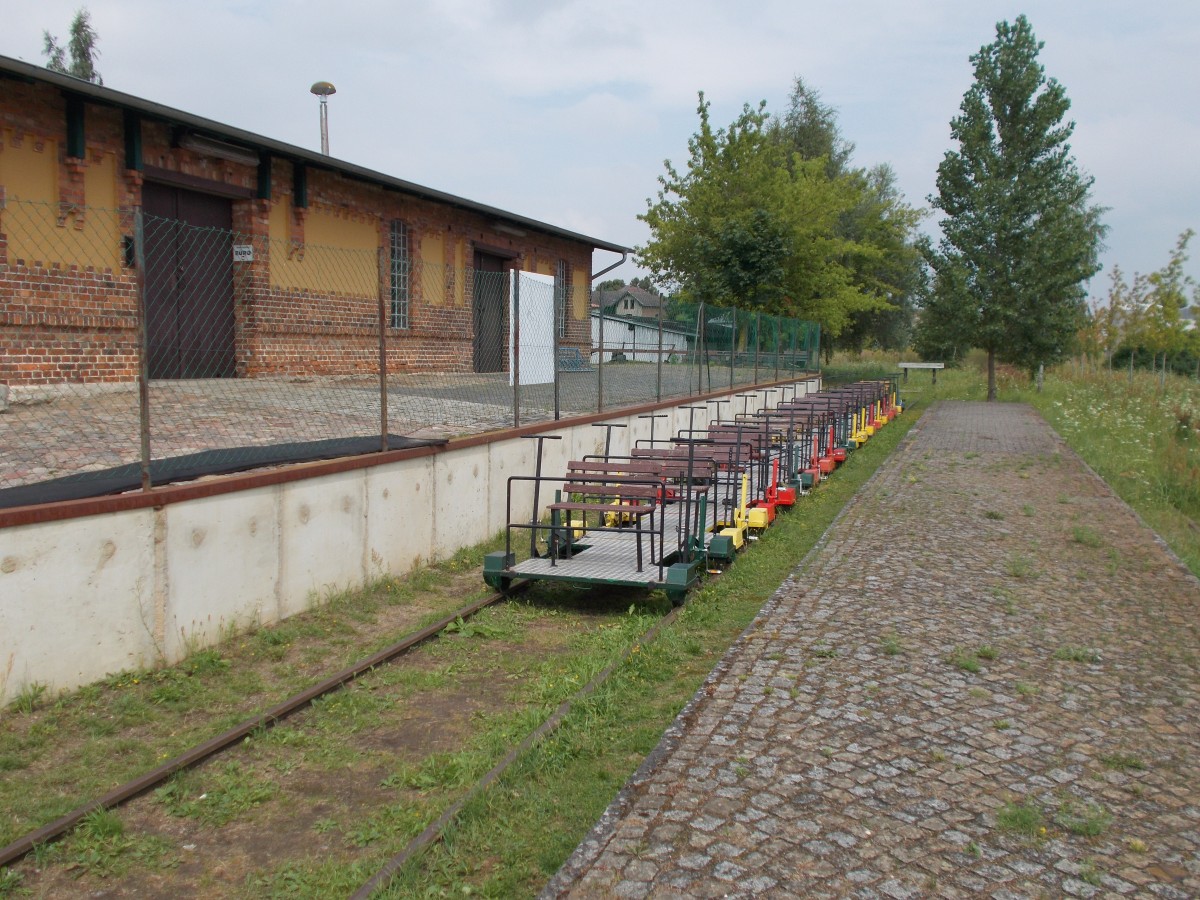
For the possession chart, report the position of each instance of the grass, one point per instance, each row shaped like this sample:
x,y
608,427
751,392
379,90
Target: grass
x,y
890,644
1142,439
1018,566
966,660
1083,817
1073,653
1123,762
1083,534
135,720
29,698
1026,818
215,799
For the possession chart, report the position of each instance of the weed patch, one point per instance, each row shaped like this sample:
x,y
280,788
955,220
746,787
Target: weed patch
x,y
965,660
1084,818
1026,818
1073,653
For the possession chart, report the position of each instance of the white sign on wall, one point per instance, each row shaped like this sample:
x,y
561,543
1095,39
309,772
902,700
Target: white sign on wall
x,y
243,253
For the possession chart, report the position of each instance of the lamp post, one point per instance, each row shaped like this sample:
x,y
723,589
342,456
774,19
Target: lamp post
x,y
323,89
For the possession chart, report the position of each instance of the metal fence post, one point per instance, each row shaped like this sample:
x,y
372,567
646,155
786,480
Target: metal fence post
x,y
600,360
757,339
515,275
776,318
143,339
733,336
560,299
658,382
383,385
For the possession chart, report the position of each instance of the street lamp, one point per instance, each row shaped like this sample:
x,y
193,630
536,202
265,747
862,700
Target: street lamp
x,y
323,89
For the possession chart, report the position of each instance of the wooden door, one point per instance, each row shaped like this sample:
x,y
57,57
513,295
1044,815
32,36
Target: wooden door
x,y
490,306
189,283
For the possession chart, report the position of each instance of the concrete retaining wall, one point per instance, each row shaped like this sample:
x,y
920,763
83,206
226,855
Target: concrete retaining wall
x,y
84,597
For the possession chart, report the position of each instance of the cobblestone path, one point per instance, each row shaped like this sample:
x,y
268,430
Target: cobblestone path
x,y
982,683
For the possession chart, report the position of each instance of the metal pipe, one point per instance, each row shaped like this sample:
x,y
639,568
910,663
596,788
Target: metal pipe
x,y
560,297
383,387
658,383
516,344
143,338
757,337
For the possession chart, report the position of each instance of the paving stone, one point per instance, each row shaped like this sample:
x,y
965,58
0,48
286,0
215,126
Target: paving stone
x,y
883,776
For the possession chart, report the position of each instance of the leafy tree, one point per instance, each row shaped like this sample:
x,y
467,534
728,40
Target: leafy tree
x,y
882,220
810,130
1020,236
749,223
1167,330
878,218
82,48
611,284
1146,314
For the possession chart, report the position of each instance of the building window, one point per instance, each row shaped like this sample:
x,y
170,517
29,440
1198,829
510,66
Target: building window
x,y
562,293
401,274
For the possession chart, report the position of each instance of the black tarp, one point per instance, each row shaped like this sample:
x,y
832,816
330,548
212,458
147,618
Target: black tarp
x,y
191,466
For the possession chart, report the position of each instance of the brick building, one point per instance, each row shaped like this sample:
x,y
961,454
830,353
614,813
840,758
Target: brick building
x,y
249,257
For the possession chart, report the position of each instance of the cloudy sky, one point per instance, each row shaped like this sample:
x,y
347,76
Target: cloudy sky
x,y
564,110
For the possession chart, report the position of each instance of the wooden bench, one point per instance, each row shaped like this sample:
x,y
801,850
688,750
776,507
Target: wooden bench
x,y
625,499
931,366
570,359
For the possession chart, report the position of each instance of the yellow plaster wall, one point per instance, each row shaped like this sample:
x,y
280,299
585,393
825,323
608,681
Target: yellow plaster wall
x,y
27,173
339,254
433,268
99,238
277,230
460,272
579,293
32,176
37,229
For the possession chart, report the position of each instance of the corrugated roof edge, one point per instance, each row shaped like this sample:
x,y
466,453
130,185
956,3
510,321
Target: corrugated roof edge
x,y
22,70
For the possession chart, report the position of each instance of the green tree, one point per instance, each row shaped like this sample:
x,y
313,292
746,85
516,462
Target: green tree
x,y
1166,299
1147,313
81,46
1020,237
750,224
810,130
611,284
895,269
878,219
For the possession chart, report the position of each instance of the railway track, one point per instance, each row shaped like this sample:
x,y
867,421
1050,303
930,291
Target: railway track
x,y
213,747
552,624
257,728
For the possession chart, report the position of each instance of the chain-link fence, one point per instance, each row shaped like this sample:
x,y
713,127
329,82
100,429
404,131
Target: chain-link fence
x,y
165,343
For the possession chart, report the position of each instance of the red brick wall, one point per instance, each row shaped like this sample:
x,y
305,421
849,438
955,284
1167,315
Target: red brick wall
x,y
60,324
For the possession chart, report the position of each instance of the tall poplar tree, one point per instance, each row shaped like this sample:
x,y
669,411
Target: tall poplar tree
x,y
1020,237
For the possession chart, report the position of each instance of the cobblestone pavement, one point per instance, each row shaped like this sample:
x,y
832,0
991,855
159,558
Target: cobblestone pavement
x,y
982,683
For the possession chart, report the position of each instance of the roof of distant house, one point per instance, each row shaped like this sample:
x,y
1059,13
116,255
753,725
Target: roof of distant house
x,y
94,93
647,299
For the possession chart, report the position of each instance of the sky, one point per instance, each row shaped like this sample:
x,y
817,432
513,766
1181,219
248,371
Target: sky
x,y
564,110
